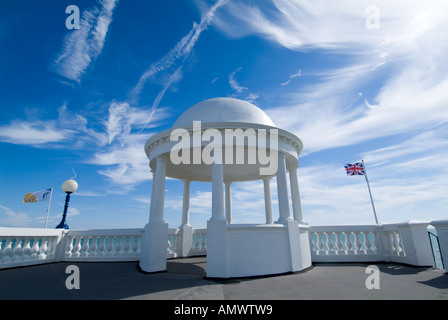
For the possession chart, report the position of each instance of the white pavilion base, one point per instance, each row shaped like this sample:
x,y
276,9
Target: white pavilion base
x,y
252,250
153,247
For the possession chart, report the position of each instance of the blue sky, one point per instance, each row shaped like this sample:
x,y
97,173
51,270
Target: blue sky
x,y
353,79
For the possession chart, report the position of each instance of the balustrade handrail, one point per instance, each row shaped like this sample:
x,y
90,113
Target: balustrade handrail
x,y
28,232
104,232
203,230
341,228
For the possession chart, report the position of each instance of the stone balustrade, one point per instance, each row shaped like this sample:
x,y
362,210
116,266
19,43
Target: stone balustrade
x,y
102,245
173,246
404,243
23,246
199,242
345,243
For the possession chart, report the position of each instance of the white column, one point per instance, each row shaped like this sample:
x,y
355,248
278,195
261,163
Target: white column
x,y
158,191
155,236
267,200
228,202
295,195
186,233
282,190
217,188
217,253
186,204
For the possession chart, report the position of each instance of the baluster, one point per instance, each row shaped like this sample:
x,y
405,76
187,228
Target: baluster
x,y
314,247
346,241
17,250
390,238
320,243
339,243
93,246
77,247
135,245
349,242
126,246
118,246
329,242
358,243
196,241
102,246
85,247
43,249
51,247
69,249
7,251
168,245
398,244
203,242
367,242
26,250
110,245
35,249
390,243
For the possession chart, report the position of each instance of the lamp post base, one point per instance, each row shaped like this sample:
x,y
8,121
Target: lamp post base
x,y
63,224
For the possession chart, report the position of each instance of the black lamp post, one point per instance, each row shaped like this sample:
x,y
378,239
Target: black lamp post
x,y
69,186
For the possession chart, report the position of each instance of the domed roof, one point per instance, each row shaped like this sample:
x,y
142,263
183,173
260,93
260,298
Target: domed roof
x,y
223,110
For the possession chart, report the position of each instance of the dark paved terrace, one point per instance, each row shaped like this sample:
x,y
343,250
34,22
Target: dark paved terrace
x,y
185,280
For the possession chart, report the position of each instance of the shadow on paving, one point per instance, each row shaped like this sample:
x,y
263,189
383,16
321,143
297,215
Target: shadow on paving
x,y
186,279
112,280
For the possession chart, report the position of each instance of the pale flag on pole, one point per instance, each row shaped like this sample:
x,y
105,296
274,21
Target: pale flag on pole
x,y
42,195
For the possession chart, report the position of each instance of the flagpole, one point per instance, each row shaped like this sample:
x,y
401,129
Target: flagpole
x,y
370,193
48,209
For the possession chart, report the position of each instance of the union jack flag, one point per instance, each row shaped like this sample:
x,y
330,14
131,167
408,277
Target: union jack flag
x,y
354,169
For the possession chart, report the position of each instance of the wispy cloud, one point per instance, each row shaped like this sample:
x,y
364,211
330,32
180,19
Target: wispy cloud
x,y
35,133
336,26
177,55
240,91
402,189
175,59
401,71
124,130
114,143
292,76
234,84
401,64
81,47
123,157
429,147
78,124
14,219
124,164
